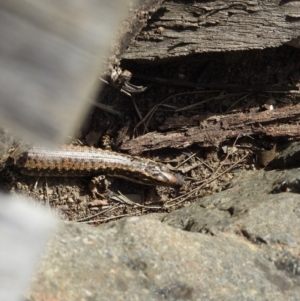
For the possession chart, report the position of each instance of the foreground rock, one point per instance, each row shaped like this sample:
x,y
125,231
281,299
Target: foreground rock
x,y
245,246
143,259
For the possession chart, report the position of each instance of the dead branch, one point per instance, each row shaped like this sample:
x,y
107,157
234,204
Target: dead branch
x,y
212,130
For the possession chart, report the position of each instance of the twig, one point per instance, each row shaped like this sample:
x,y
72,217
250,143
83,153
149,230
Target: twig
x,y
131,203
150,113
106,108
188,194
109,218
187,159
138,113
194,105
84,219
228,154
240,99
46,186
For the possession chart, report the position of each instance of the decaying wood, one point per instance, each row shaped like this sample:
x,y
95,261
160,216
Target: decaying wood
x,y
179,28
215,129
138,16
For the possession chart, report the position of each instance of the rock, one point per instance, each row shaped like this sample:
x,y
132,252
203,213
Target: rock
x,y
289,158
250,203
240,244
143,259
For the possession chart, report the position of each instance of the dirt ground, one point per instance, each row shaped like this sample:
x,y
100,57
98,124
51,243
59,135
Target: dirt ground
x,y
198,86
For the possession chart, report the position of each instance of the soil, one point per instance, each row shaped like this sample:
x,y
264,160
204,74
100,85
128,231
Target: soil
x,y
195,87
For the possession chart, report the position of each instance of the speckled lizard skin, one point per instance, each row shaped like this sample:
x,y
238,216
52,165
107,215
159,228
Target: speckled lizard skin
x,y
87,161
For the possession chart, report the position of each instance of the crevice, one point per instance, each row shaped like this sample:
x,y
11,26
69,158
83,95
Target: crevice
x,y
252,238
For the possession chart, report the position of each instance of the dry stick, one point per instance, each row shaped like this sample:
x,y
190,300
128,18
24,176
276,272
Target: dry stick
x,y
109,218
36,183
194,105
190,157
240,99
83,220
139,114
155,107
186,194
106,108
151,112
131,203
204,163
207,182
136,108
149,115
226,96
145,117
228,154
191,167
46,186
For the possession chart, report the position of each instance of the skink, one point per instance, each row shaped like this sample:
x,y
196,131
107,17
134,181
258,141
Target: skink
x,y
87,161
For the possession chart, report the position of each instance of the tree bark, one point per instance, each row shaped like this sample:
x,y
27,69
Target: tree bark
x,y
180,28
216,129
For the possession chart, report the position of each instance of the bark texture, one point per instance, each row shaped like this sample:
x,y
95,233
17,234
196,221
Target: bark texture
x,y
180,28
215,129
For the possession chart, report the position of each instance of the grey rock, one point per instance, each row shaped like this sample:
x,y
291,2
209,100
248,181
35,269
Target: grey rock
x,y
240,244
249,208
143,259
289,158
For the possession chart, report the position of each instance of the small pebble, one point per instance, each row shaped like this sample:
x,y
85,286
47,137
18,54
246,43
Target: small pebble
x,y
70,200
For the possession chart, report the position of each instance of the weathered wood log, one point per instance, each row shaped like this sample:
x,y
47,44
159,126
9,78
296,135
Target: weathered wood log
x,y
216,129
180,28
138,16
